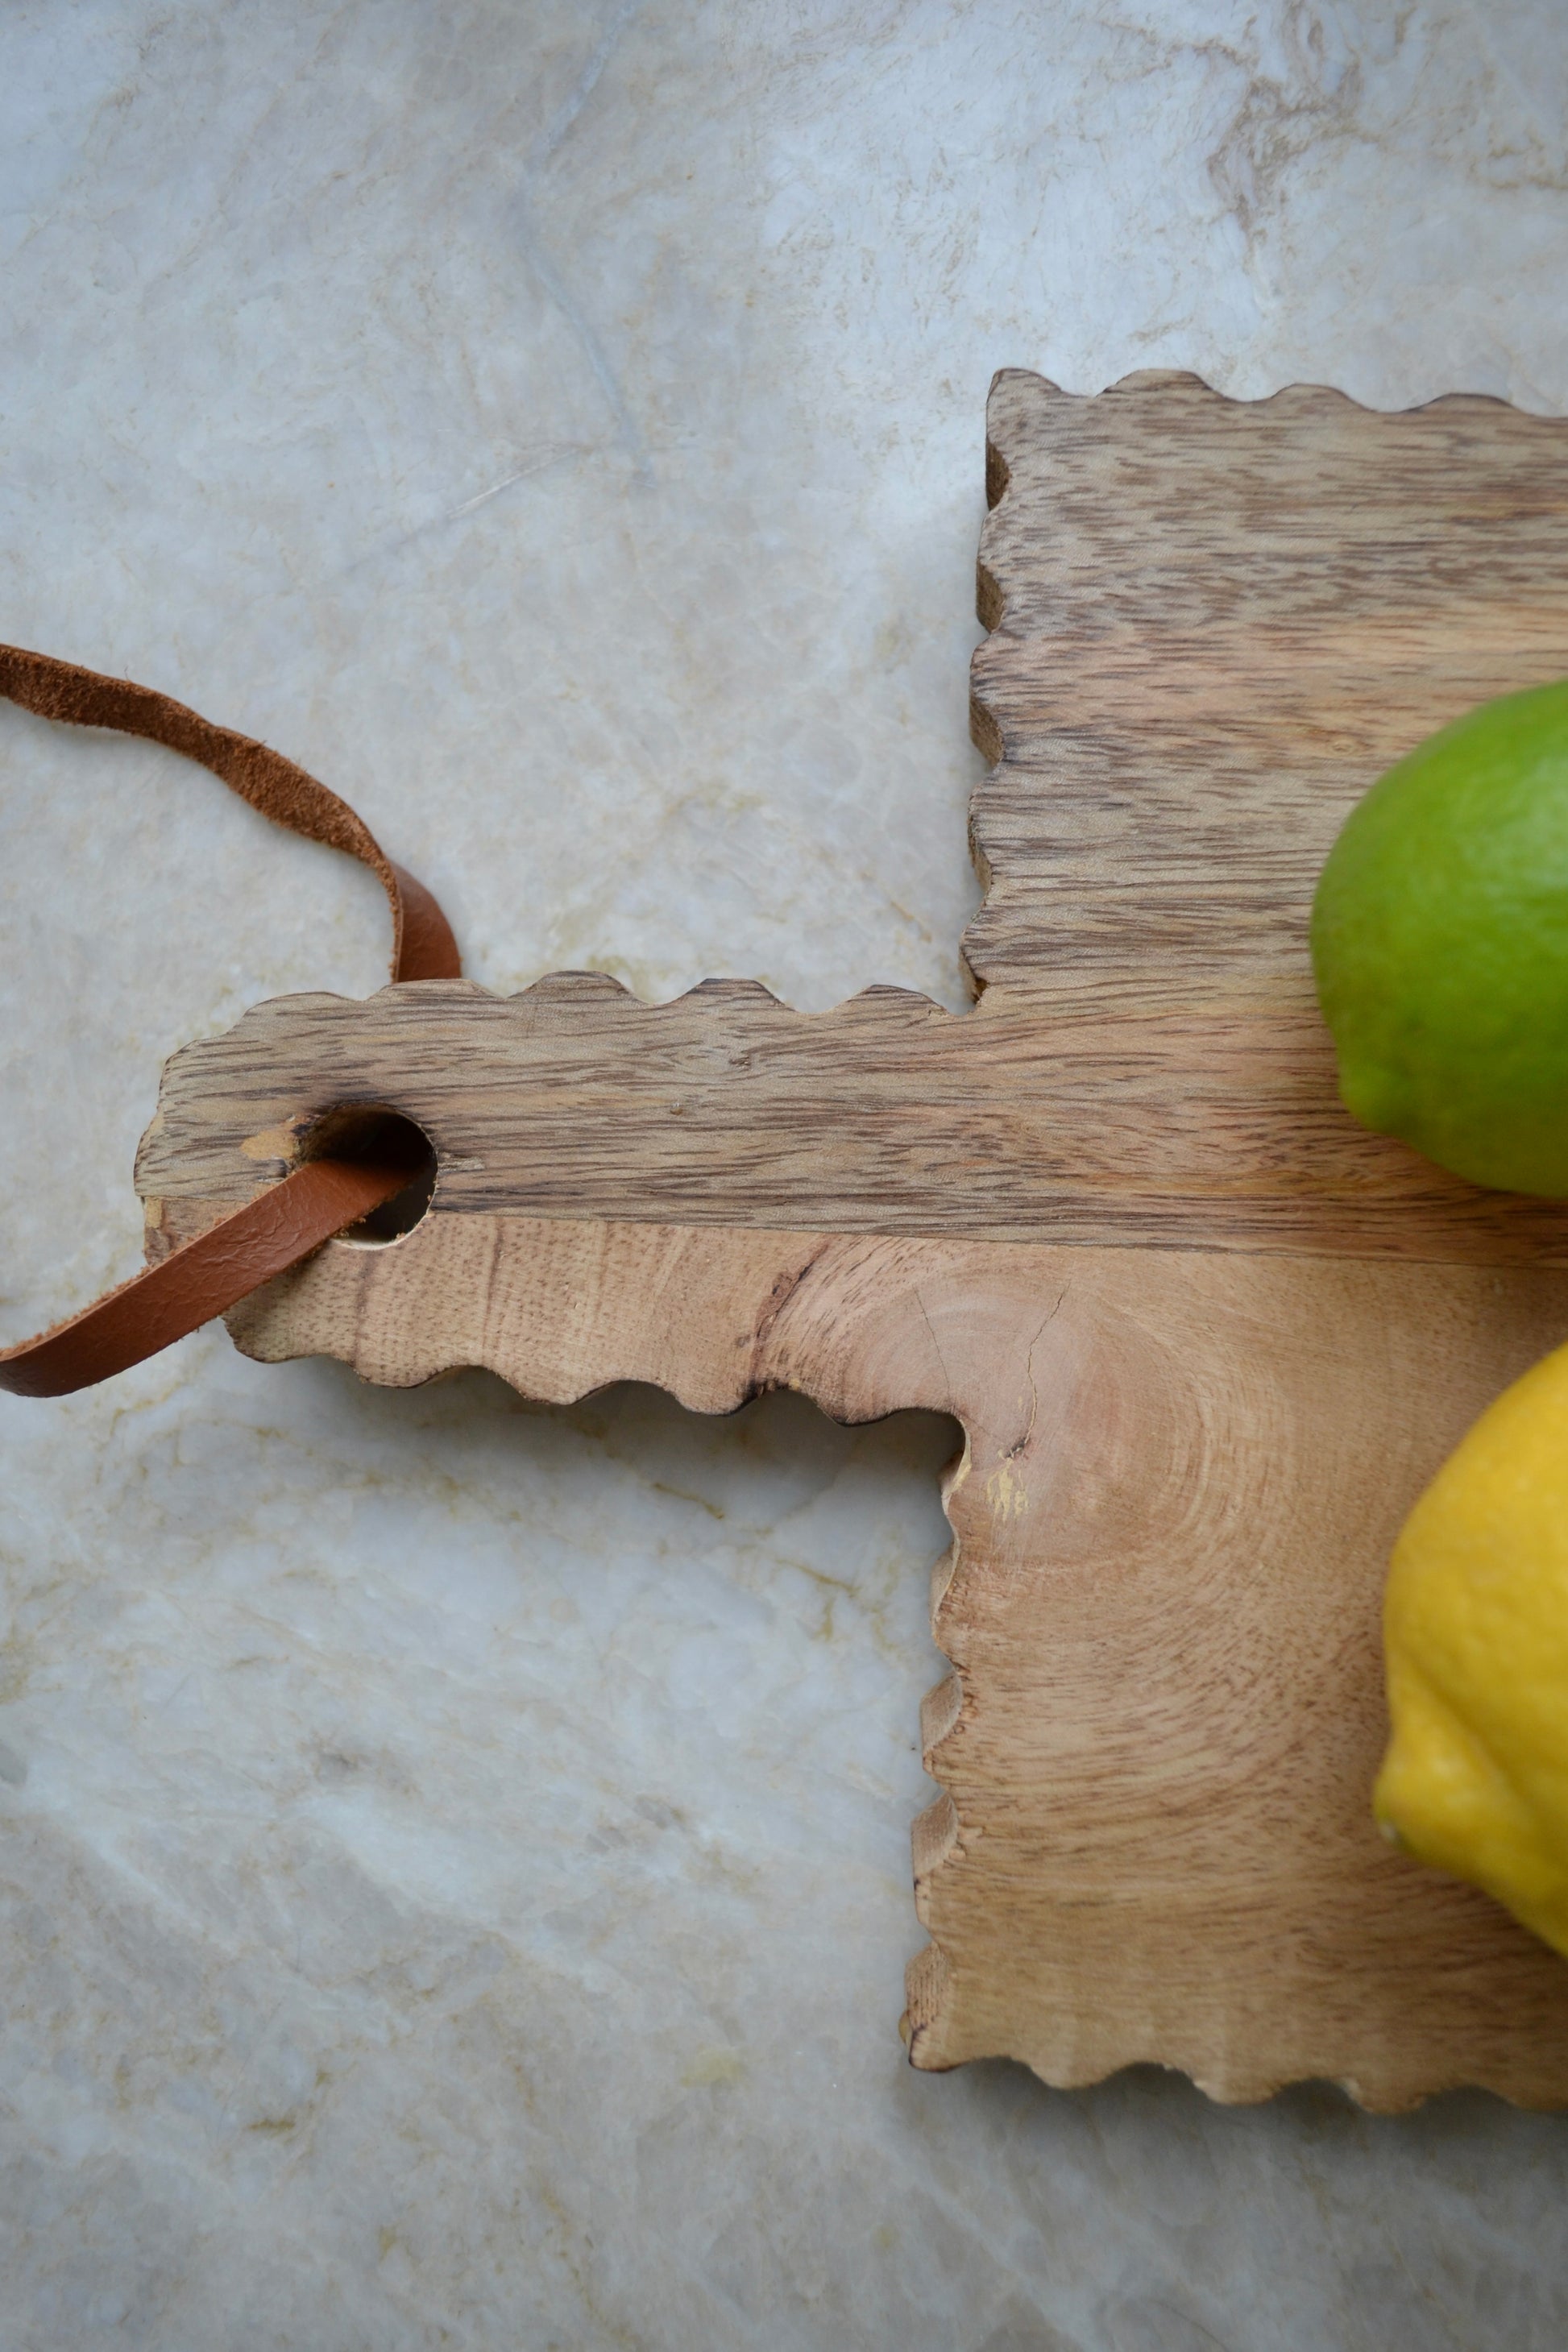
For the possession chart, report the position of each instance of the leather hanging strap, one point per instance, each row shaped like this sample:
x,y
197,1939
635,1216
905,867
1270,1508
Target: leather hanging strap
x,y
208,1276
423,947
203,1279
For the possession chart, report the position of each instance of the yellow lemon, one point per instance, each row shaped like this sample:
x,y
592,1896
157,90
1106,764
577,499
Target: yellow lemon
x,y
1476,1626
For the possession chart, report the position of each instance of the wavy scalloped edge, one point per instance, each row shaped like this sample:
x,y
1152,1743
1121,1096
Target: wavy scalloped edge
x,y
982,948
863,1326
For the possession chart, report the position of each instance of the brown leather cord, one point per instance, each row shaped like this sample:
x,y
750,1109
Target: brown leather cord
x,y
208,1276
204,1277
423,947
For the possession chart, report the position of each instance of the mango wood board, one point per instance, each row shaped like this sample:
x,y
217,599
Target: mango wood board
x,y
1205,1339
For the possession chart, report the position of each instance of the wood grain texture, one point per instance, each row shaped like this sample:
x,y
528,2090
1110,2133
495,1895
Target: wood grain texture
x,y
1211,624
1214,623
1181,1475
1214,1127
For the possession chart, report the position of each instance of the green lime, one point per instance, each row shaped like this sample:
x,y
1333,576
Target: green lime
x,y
1440,944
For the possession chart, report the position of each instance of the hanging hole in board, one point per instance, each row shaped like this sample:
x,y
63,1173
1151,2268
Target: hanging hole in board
x,y
374,1131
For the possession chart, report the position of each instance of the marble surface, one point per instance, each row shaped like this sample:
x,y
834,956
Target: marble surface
x,y
454,1871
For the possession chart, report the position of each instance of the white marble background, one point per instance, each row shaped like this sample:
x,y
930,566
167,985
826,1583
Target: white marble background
x,y
454,1857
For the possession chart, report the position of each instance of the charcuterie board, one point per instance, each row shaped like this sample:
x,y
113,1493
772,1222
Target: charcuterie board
x,y
1205,1339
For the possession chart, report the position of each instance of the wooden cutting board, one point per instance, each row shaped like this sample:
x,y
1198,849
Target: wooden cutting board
x,y
1206,1339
